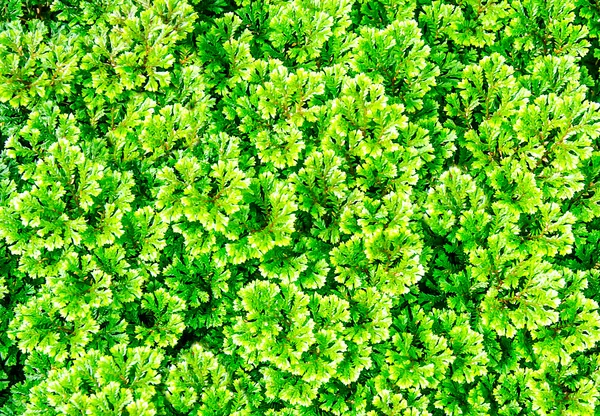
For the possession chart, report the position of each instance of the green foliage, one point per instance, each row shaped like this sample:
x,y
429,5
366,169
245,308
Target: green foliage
x,y
308,207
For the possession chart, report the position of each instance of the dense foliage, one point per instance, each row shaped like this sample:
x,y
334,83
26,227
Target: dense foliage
x,y
305,207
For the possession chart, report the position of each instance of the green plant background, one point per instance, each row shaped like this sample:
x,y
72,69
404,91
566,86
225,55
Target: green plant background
x,y
306,207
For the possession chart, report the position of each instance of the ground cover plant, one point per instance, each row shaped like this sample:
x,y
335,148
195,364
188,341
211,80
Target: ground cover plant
x,y
305,207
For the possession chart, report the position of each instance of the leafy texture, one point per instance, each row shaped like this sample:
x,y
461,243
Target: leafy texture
x,y
308,207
